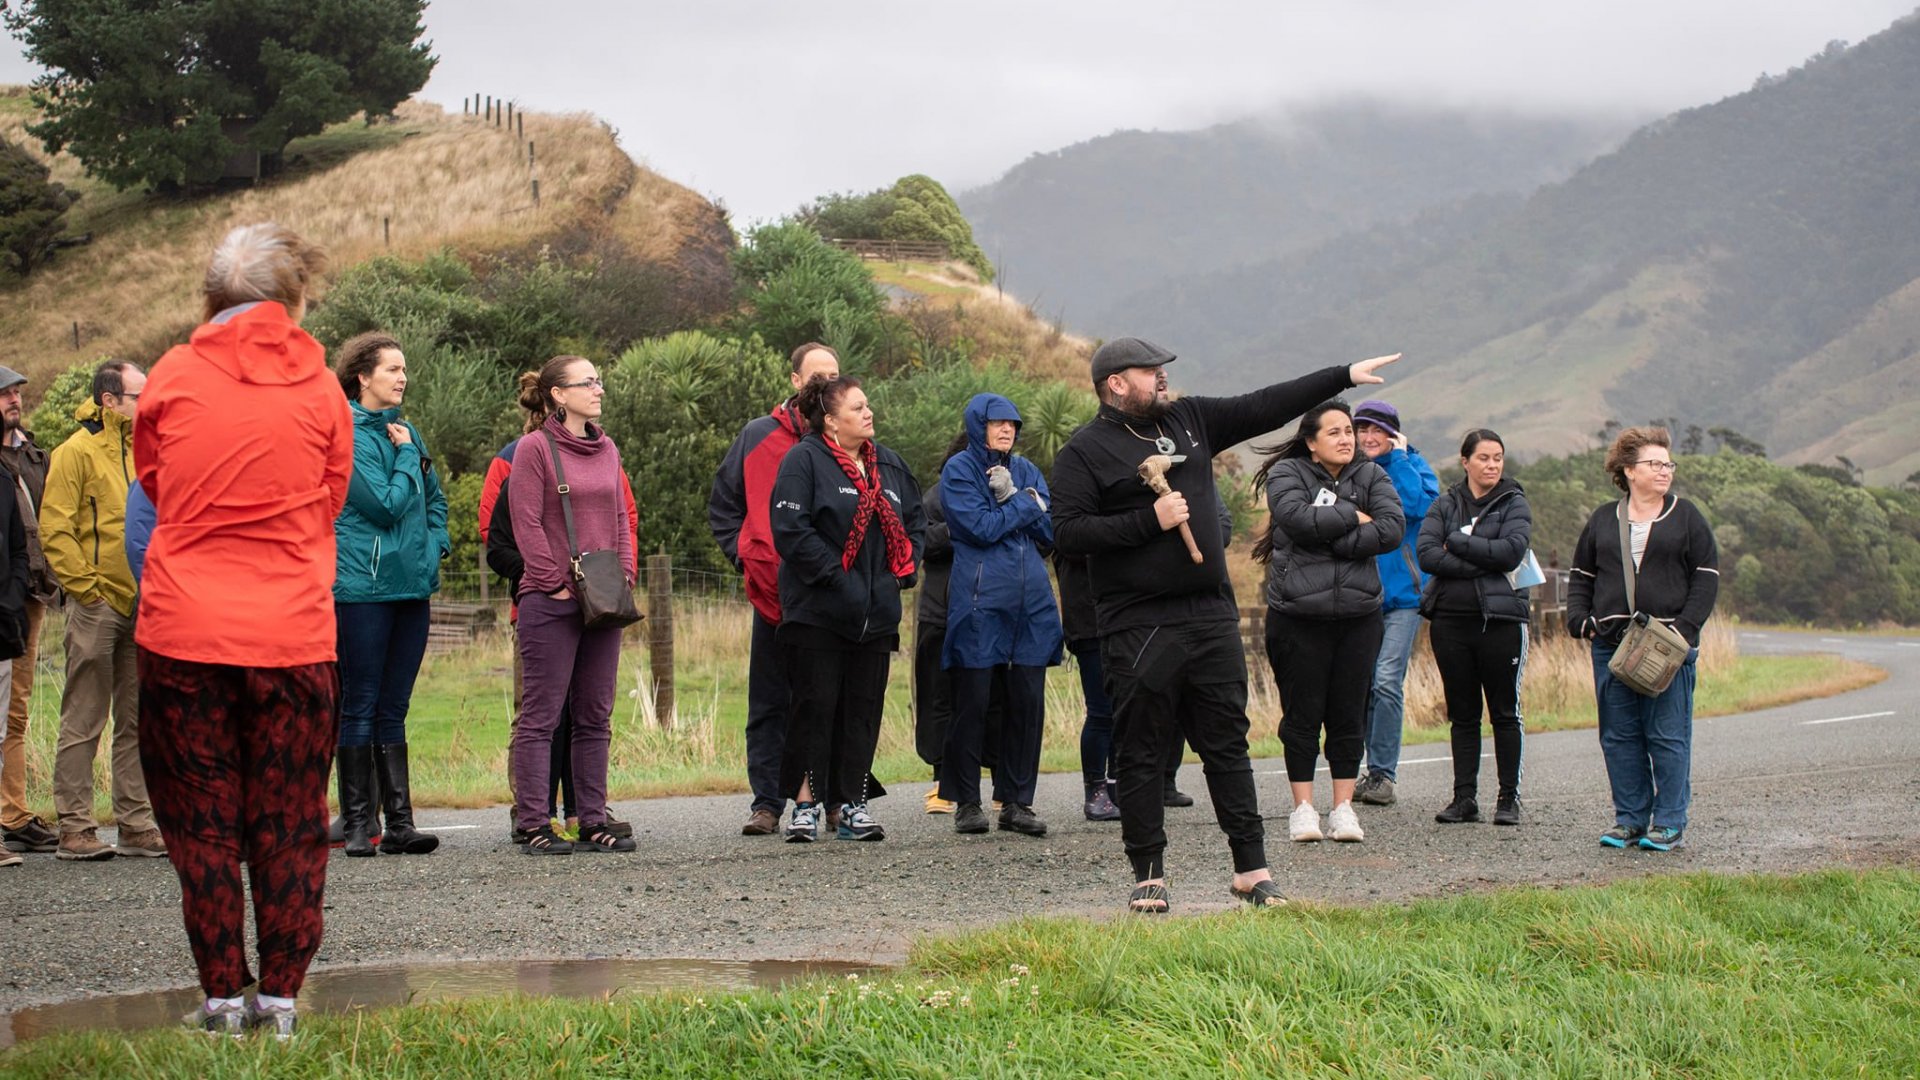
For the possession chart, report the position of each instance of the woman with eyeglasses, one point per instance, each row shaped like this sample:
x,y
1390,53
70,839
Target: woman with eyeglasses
x,y
1647,741
557,650
1475,534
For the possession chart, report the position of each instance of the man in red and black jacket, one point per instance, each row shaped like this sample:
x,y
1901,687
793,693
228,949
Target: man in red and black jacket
x,y
737,512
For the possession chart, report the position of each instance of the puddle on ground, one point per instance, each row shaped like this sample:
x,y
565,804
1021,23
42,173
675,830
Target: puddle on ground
x,y
374,987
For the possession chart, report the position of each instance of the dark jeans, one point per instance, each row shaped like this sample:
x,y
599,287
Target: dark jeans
x,y
1016,764
768,702
834,725
1167,681
1324,670
558,653
1096,734
380,646
1482,658
932,694
1647,743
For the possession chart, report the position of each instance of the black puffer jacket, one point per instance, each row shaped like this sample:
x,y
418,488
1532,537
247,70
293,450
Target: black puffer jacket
x,y
1497,544
1323,557
813,505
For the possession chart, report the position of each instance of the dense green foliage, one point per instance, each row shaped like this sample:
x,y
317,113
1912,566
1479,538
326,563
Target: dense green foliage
x,y
915,208
139,91
795,287
1698,976
31,208
52,420
1794,546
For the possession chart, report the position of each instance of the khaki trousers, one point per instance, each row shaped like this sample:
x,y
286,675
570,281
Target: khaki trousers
x,y
101,674
13,746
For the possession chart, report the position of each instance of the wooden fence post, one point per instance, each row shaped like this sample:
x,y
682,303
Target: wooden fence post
x,y
660,634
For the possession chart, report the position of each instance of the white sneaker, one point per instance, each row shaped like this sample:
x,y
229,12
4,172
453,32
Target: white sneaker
x,y
1303,825
1344,825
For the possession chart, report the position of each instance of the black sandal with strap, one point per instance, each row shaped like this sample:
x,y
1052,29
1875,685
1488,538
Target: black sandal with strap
x,y
1149,894
544,841
600,838
1262,894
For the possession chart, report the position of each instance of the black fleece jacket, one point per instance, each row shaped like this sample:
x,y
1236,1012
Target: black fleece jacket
x,y
1484,557
1677,583
813,506
1141,573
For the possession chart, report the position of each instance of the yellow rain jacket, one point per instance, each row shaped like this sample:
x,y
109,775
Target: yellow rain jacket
x,y
83,515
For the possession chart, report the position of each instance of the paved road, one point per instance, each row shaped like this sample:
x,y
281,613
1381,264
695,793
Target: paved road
x,y
1825,783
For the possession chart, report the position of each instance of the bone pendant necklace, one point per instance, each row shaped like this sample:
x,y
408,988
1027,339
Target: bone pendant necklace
x,y
1163,444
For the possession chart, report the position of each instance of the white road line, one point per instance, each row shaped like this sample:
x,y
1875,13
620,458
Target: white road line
x,y
423,827
1844,719
1834,640
1908,644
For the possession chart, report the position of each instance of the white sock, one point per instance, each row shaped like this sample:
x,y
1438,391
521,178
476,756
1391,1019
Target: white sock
x,y
268,1001
216,1004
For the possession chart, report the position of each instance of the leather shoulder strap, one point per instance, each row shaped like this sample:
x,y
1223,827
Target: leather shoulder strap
x,y
1626,551
566,499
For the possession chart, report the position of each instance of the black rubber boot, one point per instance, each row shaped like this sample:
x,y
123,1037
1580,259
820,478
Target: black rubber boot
x,y
355,765
399,837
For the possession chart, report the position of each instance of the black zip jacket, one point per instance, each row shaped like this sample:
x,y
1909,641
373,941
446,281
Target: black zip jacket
x,y
936,562
1141,573
1496,546
1323,564
1677,583
503,553
813,505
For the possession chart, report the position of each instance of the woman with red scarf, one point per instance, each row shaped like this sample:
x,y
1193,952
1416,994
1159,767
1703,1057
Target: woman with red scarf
x,y
847,523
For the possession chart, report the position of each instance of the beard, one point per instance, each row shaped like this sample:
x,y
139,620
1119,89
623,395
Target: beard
x,y
1148,406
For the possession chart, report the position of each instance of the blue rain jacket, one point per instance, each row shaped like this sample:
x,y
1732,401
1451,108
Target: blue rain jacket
x,y
1000,606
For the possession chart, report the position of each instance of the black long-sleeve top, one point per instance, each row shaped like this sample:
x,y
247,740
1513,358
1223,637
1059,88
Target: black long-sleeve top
x,y
1141,574
1677,583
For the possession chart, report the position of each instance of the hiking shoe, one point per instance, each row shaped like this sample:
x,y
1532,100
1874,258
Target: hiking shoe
x,y
276,1020
1100,807
969,819
762,822
83,846
1621,835
1343,825
600,838
8,858
1507,810
1463,809
1662,838
33,836
223,1019
804,826
146,843
1303,825
544,841
621,829
1022,819
1376,789
936,804
856,824
1173,796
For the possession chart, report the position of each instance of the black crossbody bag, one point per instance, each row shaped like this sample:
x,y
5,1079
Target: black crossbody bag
x,y
599,581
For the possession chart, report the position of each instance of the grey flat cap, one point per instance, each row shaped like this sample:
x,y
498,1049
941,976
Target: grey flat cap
x,y
10,378
1127,352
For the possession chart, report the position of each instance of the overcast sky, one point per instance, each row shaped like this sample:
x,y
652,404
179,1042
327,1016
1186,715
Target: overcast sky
x,y
767,104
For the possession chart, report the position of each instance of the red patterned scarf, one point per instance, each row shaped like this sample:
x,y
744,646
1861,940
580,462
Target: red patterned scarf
x,y
872,503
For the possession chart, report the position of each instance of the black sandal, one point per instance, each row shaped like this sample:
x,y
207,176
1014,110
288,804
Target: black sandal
x,y
601,838
544,841
1262,894
1150,894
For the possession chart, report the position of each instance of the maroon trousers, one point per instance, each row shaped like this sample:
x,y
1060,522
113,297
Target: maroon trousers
x,y
237,761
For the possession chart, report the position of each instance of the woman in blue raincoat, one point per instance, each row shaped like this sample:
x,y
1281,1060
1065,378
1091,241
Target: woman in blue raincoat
x,y
1001,617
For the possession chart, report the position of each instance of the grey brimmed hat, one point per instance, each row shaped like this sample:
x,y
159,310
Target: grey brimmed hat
x,y
1127,352
10,378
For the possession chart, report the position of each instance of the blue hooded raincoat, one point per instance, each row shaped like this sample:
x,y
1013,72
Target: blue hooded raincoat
x,y
1000,607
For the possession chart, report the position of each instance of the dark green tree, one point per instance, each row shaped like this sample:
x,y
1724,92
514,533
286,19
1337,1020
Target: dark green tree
x,y
138,90
31,207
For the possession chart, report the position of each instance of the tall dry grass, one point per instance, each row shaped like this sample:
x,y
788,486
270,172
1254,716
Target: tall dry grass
x,y
1000,327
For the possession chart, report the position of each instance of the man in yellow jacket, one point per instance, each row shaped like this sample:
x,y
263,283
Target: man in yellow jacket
x,y
83,531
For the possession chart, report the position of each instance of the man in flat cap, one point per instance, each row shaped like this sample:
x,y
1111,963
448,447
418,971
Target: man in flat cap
x,y
1169,629
25,465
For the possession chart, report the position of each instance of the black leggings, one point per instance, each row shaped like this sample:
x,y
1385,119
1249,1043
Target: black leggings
x,y
1478,658
1324,669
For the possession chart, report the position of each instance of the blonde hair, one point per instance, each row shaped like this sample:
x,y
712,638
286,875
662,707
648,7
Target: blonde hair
x,y
263,261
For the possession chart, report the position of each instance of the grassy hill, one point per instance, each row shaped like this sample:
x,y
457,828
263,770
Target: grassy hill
x,y
435,180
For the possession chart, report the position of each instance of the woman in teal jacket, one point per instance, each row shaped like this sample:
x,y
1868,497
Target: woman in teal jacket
x,y
391,537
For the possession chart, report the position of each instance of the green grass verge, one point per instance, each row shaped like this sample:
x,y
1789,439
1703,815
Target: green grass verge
x,y
1696,976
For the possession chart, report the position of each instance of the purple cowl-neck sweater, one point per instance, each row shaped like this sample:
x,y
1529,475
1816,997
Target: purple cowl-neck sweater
x,y
592,465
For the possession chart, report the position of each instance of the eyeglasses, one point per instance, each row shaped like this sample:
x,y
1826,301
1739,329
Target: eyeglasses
x,y
594,383
1657,466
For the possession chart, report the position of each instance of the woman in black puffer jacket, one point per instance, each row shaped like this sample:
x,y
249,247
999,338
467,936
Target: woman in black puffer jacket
x,y
1331,515
1475,535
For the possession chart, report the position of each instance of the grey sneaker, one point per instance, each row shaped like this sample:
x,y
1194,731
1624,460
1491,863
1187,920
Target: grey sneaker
x,y
228,1020
856,824
1621,836
1375,789
272,1020
804,826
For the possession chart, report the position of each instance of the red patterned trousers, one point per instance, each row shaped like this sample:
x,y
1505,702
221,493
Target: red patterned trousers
x,y
237,761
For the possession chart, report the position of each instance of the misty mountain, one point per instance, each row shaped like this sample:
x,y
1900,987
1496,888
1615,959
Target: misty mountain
x,y
1076,230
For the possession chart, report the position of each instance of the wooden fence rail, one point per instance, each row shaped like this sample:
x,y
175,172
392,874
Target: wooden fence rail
x,y
896,250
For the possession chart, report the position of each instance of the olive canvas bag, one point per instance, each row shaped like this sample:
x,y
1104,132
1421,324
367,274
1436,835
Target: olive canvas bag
x,y
1651,653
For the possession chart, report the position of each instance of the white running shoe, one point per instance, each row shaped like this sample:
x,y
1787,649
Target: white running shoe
x,y
1303,825
1344,825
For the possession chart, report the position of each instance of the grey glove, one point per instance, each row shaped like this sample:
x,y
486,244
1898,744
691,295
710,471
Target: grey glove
x,y
1036,498
1000,483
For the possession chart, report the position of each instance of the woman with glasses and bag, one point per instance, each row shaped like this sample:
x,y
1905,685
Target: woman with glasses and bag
x,y
847,523
559,533
1475,535
1648,554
